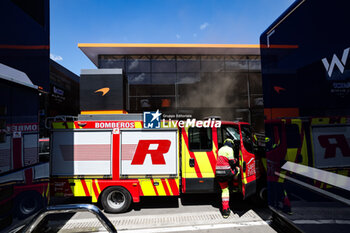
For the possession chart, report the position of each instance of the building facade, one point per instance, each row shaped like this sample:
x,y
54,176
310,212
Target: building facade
x,y
199,80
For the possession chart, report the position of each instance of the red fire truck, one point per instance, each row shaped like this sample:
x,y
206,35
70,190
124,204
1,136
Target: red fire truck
x,y
23,178
115,160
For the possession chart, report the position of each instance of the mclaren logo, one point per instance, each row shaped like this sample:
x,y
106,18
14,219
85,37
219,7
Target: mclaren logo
x,y
335,61
104,90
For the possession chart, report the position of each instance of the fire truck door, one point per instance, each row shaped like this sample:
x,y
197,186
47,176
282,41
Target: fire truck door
x,y
247,162
198,159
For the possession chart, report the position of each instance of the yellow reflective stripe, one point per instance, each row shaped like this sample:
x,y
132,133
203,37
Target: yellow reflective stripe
x,y
281,176
214,151
264,162
48,190
225,193
98,186
138,124
63,125
169,187
77,189
160,187
244,180
204,164
188,172
147,187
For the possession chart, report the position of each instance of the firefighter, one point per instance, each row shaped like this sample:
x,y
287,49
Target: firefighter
x,y
226,171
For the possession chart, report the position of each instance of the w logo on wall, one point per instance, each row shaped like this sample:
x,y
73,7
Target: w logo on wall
x,y
336,62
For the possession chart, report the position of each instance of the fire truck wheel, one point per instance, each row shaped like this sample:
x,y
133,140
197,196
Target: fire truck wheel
x,y
27,203
116,199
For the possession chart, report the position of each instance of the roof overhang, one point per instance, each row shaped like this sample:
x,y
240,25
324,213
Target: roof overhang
x,y
93,50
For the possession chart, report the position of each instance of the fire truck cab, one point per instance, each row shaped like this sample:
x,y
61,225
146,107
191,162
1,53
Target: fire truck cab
x,y
115,160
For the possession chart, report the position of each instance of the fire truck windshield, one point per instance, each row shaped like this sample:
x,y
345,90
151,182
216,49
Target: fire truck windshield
x,y
232,132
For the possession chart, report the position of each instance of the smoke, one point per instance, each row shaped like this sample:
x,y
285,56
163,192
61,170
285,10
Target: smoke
x,y
216,94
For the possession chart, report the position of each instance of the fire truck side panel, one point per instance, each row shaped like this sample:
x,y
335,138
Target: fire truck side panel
x,y
152,157
331,145
81,152
145,152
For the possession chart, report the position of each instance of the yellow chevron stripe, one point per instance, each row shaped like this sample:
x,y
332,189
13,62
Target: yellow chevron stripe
x,y
48,190
204,164
160,187
98,186
147,187
169,187
244,180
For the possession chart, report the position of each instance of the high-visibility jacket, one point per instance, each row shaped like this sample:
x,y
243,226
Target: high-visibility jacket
x,y
225,154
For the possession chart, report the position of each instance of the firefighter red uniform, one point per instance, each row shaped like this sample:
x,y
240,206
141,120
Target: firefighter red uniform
x,y
225,172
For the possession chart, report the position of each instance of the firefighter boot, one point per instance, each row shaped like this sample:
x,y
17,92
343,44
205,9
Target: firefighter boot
x,y
226,213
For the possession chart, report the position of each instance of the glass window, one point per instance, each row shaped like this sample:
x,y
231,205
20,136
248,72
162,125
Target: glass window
x,y
112,62
187,78
212,64
163,64
236,63
293,136
227,131
247,138
139,84
200,139
138,64
139,78
229,90
139,104
188,64
163,83
163,78
254,65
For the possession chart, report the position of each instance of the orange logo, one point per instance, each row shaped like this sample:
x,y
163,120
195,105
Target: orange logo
x,y
104,90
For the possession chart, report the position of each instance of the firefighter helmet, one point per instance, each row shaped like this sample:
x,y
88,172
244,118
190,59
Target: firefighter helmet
x,y
229,142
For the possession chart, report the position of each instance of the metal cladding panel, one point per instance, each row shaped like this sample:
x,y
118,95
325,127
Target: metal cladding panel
x,y
305,59
331,146
146,152
102,92
81,153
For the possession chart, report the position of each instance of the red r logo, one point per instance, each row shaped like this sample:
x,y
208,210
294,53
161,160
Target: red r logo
x,y
339,141
157,155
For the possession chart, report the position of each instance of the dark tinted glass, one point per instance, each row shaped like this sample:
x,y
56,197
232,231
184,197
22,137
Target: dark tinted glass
x,y
293,136
138,64
163,64
212,64
200,139
233,63
188,64
112,62
247,138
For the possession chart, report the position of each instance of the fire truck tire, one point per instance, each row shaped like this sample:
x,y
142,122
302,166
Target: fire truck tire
x,y
27,203
116,199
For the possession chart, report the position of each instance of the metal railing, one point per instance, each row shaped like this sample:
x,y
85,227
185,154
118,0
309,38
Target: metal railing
x,y
74,208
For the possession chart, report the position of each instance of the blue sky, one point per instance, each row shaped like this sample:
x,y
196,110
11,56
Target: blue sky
x,y
155,21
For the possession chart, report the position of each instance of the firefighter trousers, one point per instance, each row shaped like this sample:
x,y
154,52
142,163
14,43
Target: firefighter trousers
x,y
225,195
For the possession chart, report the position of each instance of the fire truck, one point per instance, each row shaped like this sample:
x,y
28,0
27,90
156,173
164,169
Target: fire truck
x,y
23,178
114,159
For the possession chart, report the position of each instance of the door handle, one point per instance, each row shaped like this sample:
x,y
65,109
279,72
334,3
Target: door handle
x,y
192,162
